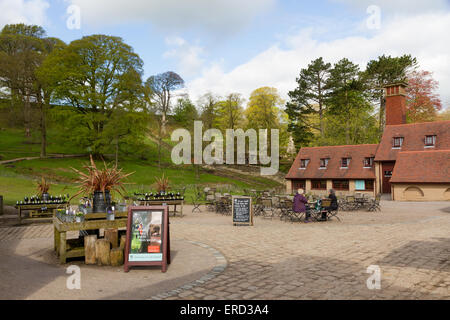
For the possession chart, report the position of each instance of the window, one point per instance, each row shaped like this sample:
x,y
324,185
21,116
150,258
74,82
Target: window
x,y
430,141
319,184
364,185
304,163
298,184
341,185
324,162
398,142
345,162
368,162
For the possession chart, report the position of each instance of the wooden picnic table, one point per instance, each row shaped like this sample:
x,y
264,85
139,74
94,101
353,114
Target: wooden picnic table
x,y
42,207
74,248
169,203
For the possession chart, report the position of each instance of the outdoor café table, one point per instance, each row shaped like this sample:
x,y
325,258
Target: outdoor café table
x,y
361,202
44,206
73,248
169,203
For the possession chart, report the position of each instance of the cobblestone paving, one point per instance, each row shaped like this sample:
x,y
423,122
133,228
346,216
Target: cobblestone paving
x,y
277,260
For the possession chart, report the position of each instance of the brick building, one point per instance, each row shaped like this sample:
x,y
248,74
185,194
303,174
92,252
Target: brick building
x,y
412,161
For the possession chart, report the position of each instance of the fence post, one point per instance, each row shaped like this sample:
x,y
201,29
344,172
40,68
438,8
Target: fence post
x,y
1,205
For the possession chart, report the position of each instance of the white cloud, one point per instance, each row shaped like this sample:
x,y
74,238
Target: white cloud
x,y
210,15
421,36
23,11
188,57
399,6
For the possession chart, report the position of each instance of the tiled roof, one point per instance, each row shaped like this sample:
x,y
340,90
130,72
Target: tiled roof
x,y
356,169
422,167
414,136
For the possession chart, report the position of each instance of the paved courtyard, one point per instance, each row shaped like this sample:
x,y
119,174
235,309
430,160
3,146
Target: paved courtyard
x,y
410,242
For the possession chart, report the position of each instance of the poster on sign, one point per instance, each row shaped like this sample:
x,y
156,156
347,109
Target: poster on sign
x,y
148,238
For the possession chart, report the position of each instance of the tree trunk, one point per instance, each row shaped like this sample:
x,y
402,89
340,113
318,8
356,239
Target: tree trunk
x,y
102,252
89,249
43,109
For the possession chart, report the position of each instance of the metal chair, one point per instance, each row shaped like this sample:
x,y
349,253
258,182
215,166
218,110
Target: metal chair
x,y
267,208
197,203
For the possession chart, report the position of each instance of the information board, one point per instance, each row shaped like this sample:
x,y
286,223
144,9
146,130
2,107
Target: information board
x,y
148,237
242,210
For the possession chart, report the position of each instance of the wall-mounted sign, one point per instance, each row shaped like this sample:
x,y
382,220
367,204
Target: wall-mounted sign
x,y
148,237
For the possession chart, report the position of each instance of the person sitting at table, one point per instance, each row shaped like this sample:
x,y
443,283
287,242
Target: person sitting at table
x,y
334,202
299,203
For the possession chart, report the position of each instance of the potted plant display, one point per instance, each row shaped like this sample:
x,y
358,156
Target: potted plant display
x,y
162,185
100,183
42,188
79,217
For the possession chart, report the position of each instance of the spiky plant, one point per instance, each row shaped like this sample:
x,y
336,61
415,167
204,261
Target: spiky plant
x,y
107,179
162,184
42,187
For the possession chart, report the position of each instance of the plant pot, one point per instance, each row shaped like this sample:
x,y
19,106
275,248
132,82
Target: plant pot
x,y
110,216
45,197
79,219
101,201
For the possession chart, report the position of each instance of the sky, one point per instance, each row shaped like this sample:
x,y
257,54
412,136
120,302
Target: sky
x,y
225,46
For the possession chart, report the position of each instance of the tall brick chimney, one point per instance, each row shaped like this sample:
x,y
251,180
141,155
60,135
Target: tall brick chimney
x,y
396,104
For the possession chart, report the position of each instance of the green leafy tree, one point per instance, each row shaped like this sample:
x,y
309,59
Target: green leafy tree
x,y
185,113
383,71
21,50
230,112
348,103
307,100
97,76
209,110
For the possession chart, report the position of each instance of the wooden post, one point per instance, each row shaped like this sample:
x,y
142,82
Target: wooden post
x,y
90,256
112,235
116,257
1,205
62,247
123,241
102,249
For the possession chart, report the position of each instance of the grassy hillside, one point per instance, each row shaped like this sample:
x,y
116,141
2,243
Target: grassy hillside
x,y
19,179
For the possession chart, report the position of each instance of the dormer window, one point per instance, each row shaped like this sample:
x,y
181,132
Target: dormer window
x,y
368,162
324,163
430,141
397,142
345,162
304,163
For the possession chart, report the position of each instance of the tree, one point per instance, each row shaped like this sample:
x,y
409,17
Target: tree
x,y
185,113
383,71
230,112
263,109
161,88
209,110
422,102
348,101
97,76
308,99
45,90
20,54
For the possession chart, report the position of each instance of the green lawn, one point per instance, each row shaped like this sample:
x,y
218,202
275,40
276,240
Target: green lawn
x,y
19,179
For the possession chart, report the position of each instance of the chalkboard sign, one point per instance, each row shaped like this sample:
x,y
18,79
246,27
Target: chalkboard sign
x,y
242,210
148,237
